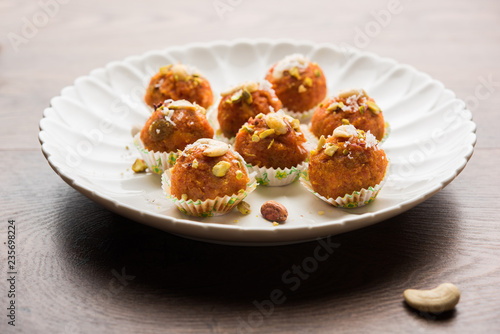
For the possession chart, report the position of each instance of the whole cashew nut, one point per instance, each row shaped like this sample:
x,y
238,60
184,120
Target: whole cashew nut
x,y
442,298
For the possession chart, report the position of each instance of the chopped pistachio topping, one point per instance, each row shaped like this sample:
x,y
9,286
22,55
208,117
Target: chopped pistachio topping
x,y
266,133
195,163
317,73
348,93
259,115
341,104
345,151
374,108
332,106
248,129
308,82
221,168
139,166
295,124
270,144
361,110
184,197
345,121
302,89
247,97
164,69
239,175
331,149
294,72
187,106
276,122
249,86
244,208
321,143
237,96
255,138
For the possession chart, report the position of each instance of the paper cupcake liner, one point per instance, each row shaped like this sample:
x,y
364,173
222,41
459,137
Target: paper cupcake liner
x,y
303,117
210,207
354,200
277,177
158,162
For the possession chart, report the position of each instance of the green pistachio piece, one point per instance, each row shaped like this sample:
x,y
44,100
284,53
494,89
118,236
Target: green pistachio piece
x,y
221,168
139,166
331,149
374,108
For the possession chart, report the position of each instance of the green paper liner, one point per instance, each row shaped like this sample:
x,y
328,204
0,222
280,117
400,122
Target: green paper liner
x,y
354,200
157,162
277,177
210,207
387,132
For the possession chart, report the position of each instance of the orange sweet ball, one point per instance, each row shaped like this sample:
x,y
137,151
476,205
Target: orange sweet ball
x,y
272,141
179,82
208,169
299,84
347,161
174,125
350,107
243,102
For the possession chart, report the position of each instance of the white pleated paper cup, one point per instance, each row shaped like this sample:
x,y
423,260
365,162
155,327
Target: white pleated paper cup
x,y
354,200
303,117
277,177
157,162
210,207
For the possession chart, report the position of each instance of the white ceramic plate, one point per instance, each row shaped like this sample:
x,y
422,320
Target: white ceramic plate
x,y
86,131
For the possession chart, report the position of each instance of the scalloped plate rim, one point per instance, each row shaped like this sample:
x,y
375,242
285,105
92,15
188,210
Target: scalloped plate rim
x,y
143,216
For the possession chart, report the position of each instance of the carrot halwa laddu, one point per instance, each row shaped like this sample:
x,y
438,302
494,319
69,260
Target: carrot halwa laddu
x,y
208,169
299,84
347,161
349,107
244,101
173,125
179,82
273,141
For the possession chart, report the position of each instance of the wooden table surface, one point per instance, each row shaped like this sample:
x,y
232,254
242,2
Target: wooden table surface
x,y
84,269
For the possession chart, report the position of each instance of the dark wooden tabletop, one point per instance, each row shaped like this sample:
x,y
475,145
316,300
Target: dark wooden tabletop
x,y
83,269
